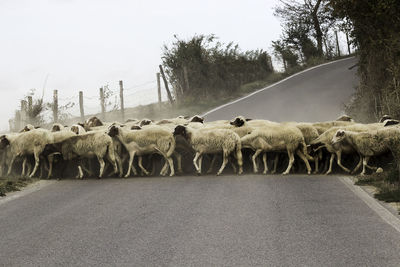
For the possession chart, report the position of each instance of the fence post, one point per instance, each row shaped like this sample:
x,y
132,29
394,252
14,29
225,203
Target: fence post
x,y
17,122
29,110
159,88
81,106
121,97
55,106
166,85
23,113
102,104
337,44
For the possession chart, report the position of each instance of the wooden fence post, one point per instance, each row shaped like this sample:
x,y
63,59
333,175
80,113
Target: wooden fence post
x,y
337,44
166,85
159,88
102,104
29,110
121,97
81,106
55,106
23,113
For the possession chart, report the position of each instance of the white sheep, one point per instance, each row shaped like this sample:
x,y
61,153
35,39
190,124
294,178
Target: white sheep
x,y
87,145
367,144
325,141
211,141
277,139
146,141
28,143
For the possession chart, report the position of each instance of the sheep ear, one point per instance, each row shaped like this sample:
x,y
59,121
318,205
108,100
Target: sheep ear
x,y
249,119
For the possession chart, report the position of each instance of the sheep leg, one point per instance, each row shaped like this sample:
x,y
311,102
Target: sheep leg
x,y
23,167
102,164
80,172
178,157
212,163
171,166
164,169
330,163
195,162
358,165
200,162
276,160
253,158
10,165
316,162
339,161
50,159
365,162
265,163
303,157
239,158
36,152
291,160
131,157
120,167
140,161
224,162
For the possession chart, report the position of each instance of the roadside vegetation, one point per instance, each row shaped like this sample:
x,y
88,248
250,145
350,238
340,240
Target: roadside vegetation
x,y
374,27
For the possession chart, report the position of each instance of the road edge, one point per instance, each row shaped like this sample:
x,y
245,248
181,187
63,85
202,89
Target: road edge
x,y
373,204
33,187
272,85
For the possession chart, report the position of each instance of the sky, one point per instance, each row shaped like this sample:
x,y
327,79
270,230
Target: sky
x,y
74,45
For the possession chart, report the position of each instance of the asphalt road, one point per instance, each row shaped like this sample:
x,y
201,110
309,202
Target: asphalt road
x,y
249,220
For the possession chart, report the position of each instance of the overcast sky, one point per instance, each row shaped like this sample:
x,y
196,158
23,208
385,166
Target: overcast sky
x,y
83,45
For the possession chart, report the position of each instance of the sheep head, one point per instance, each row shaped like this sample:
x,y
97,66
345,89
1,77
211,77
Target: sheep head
x,y
4,142
56,128
75,129
136,127
339,136
385,117
390,122
197,118
145,122
93,122
238,121
181,130
344,118
113,130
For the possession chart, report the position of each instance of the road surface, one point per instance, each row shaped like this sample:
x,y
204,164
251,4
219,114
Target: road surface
x,y
249,220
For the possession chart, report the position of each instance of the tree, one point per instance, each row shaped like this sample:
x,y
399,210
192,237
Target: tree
x,y
311,18
376,33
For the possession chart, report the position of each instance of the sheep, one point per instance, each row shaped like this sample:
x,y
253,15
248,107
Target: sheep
x,y
345,118
28,128
277,138
28,143
56,127
310,133
367,144
326,125
205,141
149,140
325,141
89,144
385,117
93,122
77,129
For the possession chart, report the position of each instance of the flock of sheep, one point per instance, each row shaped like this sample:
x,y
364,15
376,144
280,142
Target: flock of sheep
x,y
117,145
